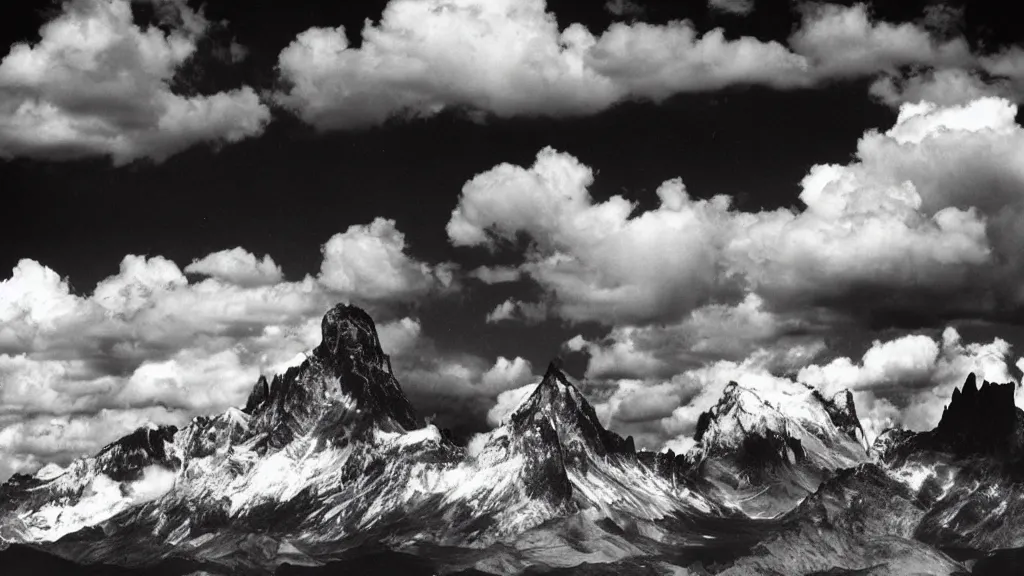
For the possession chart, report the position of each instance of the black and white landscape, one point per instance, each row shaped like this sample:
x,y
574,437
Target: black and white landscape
x,y
511,287
328,466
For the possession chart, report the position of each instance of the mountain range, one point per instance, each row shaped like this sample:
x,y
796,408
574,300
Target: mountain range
x,y
327,469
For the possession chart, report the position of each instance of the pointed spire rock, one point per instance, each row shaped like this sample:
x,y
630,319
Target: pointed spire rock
x,y
970,386
554,370
346,379
559,404
258,396
980,420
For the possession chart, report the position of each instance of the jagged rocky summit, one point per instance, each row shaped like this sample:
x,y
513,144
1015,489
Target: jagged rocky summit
x,y
765,451
330,458
327,465
968,471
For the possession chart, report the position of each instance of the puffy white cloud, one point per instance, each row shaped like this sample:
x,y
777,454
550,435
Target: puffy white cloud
x,y
845,41
512,309
927,215
907,381
647,61
948,86
191,380
504,311
97,84
238,266
507,401
35,300
712,332
1000,74
738,7
512,57
423,57
52,386
597,261
509,57
400,336
508,372
906,360
138,283
369,262
617,356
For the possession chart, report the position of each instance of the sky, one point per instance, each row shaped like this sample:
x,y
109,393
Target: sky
x,y
665,195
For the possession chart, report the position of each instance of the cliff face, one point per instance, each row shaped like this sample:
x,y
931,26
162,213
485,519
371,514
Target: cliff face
x,y
968,471
981,420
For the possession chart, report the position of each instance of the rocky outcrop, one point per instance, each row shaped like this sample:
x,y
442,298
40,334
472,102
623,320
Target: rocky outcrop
x,y
258,396
981,420
765,454
968,471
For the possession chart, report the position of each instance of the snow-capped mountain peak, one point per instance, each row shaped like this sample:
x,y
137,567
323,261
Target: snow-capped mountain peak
x,y
765,449
328,458
344,388
562,407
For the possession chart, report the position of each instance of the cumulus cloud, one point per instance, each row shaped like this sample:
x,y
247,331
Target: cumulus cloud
x,y
1000,74
914,374
503,311
508,372
238,266
843,41
710,333
512,58
507,401
948,86
98,84
597,261
370,262
509,58
926,216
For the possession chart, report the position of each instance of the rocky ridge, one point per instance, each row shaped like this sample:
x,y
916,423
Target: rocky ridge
x,y
328,463
764,451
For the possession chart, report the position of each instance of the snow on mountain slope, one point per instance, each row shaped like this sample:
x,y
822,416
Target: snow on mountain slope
x,y
968,471
327,458
763,451
572,459
133,470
